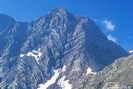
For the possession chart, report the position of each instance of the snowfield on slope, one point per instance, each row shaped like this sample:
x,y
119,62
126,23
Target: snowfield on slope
x,y
64,84
89,71
34,53
51,81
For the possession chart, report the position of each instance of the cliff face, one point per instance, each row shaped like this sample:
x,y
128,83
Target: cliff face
x,y
57,51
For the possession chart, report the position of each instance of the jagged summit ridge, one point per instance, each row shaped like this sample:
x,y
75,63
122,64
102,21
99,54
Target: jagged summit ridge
x,y
59,10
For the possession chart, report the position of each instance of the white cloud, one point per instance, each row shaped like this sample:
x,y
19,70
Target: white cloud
x,y
112,38
109,25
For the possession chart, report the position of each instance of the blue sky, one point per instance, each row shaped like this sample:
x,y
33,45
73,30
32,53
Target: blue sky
x,y
114,17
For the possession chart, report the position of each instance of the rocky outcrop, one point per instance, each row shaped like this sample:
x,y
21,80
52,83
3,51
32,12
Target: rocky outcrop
x,y
119,75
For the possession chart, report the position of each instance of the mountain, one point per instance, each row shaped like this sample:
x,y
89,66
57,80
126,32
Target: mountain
x,y
118,75
56,51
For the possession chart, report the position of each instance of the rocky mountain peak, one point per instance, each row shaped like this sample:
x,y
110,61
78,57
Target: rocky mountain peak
x,y
59,10
36,53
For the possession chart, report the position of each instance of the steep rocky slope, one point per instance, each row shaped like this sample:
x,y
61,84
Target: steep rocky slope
x,y
56,51
119,75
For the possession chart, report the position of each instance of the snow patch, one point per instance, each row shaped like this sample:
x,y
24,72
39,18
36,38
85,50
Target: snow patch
x,y
89,71
51,81
64,84
22,55
64,68
53,78
130,51
35,53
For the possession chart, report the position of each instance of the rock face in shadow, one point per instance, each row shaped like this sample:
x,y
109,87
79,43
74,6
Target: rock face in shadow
x,y
30,52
